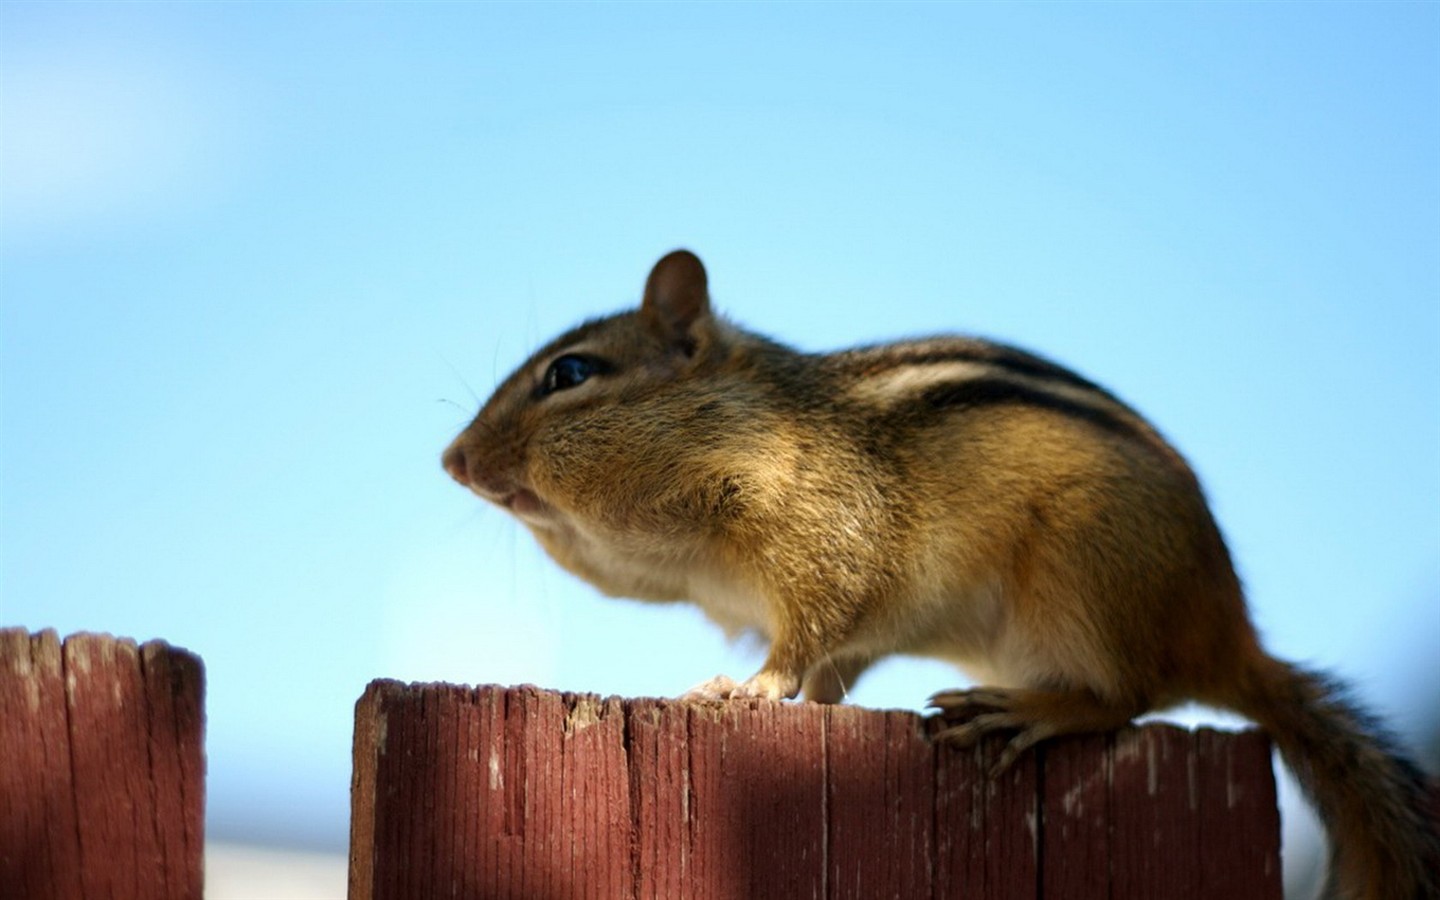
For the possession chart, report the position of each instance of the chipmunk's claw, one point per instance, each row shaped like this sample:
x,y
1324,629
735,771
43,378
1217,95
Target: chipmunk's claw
x,y
959,703
987,711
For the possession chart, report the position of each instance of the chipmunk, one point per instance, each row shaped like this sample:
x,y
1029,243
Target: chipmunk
x,y
951,498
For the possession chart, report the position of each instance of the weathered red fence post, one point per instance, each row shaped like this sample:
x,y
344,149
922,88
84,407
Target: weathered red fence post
x,y
521,793
102,768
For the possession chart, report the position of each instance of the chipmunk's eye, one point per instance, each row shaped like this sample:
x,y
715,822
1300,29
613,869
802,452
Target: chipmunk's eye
x,y
570,370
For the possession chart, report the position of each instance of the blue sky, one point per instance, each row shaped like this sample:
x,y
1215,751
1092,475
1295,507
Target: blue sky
x,y
260,262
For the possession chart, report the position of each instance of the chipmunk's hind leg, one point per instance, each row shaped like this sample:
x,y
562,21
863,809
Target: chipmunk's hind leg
x,y
1033,716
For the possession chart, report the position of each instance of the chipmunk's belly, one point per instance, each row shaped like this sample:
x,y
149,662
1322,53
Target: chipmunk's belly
x,y
968,622
992,649
958,623
731,605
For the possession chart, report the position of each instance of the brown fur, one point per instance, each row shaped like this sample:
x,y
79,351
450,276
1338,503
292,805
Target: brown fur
x,y
952,498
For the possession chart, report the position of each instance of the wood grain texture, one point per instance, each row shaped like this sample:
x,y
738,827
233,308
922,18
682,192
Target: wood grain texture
x,y
521,793
102,786
1076,799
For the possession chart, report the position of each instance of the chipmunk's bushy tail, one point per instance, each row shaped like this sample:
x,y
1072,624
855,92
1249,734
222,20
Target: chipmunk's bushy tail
x,y
1374,803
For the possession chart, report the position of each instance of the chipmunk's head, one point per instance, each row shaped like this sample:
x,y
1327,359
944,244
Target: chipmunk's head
x,y
537,442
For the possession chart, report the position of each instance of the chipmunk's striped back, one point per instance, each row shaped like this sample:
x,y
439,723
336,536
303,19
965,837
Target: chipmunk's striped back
x,y
958,373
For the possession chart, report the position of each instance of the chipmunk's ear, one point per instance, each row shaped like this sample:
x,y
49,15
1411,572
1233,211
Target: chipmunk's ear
x,y
676,296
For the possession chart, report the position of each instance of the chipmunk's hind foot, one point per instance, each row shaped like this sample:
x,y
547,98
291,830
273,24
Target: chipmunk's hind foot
x,y
1033,716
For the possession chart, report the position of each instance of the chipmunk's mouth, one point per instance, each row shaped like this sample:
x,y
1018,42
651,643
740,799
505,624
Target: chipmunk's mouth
x,y
524,503
497,488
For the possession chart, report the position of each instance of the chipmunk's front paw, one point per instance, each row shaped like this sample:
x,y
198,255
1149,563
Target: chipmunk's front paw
x,y
764,685
721,687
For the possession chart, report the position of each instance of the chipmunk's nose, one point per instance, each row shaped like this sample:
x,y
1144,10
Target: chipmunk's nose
x,y
466,466
456,464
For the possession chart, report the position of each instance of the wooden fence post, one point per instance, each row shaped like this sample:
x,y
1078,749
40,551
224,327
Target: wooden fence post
x,y
101,768
521,793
